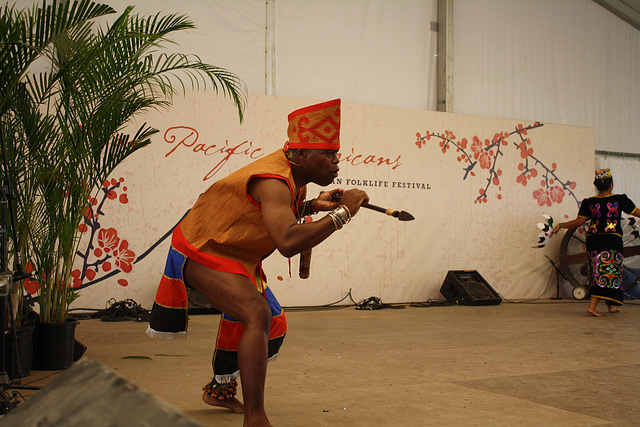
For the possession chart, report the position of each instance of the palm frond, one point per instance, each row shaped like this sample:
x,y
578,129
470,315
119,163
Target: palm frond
x,y
69,124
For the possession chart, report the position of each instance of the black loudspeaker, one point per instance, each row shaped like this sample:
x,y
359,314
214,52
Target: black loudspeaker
x,y
468,287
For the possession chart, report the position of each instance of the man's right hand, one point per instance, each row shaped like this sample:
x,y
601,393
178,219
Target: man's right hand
x,y
353,199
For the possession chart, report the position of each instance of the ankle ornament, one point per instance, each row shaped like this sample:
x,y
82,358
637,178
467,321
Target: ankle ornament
x,y
221,391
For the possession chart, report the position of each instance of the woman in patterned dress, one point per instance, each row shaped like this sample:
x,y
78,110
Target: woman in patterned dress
x,y
604,241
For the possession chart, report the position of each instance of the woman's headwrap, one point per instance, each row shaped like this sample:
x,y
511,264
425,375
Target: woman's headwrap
x,y
603,173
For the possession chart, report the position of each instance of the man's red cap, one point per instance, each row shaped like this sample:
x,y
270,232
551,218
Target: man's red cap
x,y
316,127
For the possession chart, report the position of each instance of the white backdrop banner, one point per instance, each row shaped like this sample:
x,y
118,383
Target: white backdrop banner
x,y
476,186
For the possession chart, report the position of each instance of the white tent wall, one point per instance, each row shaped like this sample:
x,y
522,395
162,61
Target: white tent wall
x,y
569,62
626,172
377,52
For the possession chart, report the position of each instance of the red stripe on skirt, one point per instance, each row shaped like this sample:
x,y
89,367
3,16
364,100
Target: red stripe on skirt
x,y
230,333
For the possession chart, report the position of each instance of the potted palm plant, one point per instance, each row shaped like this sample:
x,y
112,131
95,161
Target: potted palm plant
x,y
69,90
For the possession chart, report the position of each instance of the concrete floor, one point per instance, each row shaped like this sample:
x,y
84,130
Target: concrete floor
x,y
514,364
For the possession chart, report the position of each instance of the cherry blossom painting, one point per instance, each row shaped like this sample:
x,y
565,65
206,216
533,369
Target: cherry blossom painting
x,y
485,159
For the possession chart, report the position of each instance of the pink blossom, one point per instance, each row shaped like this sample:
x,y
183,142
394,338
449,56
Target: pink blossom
x,y
543,197
108,239
32,286
124,257
556,193
485,160
476,147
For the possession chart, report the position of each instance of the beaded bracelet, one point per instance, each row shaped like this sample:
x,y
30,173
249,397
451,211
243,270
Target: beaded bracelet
x,y
308,209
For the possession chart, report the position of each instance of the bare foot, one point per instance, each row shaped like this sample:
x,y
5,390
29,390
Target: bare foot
x,y
614,309
594,313
234,404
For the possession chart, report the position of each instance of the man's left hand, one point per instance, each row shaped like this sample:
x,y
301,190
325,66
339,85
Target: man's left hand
x,y
327,200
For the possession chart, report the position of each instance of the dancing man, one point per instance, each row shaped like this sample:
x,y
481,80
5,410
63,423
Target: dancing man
x,y
218,248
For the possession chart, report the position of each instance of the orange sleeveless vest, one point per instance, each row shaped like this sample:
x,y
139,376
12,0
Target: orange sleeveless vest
x,y
224,229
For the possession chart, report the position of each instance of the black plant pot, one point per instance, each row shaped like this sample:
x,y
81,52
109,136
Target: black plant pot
x,y
53,345
19,352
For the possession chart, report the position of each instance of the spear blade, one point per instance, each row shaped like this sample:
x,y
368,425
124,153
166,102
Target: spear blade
x,y
401,215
